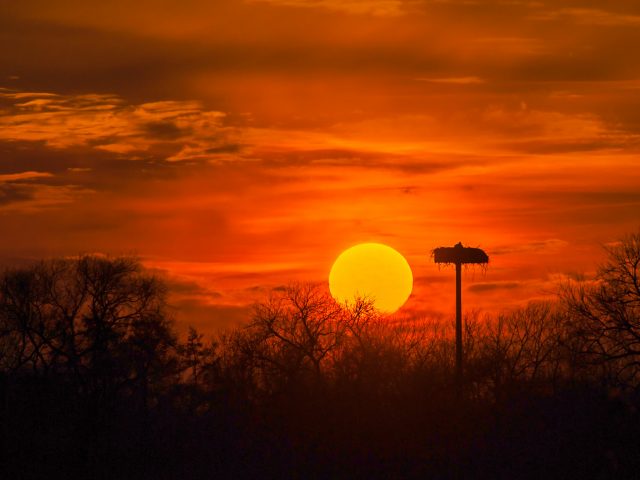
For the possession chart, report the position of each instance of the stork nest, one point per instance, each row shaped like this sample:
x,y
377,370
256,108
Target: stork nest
x,y
460,254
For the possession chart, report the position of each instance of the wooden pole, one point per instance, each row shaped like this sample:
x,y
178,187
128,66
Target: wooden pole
x,y
459,328
458,255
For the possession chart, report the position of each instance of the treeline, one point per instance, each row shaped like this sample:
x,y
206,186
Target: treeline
x,y
95,383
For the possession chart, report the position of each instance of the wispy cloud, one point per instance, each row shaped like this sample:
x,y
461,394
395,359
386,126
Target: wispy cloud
x,y
35,197
22,176
175,130
454,80
552,244
493,286
371,7
590,16
32,191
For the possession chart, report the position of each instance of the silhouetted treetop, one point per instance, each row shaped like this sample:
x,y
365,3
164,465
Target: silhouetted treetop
x,y
606,312
97,320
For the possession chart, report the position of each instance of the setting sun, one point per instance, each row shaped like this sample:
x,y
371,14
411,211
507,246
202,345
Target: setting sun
x,y
372,270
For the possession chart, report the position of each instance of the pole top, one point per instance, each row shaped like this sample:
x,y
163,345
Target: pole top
x,y
460,254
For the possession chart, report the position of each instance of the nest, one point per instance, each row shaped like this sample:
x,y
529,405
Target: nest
x,y
459,254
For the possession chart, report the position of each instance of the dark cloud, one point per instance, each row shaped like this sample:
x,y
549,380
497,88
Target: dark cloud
x,y
550,244
165,130
571,146
188,288
493,286
365,159
210,318
11,193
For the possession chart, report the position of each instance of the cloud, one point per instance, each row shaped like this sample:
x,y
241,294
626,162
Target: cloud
x,y
210,319
535,131
551,244
493,286
381,8
22,176
32,197
590,16
32,191
510,46
454,80
174,130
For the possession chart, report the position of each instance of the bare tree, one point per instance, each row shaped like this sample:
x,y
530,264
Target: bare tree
x,y
605,314
96,320
523,348
296,330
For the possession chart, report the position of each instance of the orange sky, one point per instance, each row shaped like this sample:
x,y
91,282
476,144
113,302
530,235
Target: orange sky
x,y
240,145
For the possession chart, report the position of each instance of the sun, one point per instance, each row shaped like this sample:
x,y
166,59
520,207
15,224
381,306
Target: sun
x,y
374,271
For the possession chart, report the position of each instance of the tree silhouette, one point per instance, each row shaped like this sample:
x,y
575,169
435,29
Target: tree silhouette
x,y
296,331
520,350
606,312
94,381
95,324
